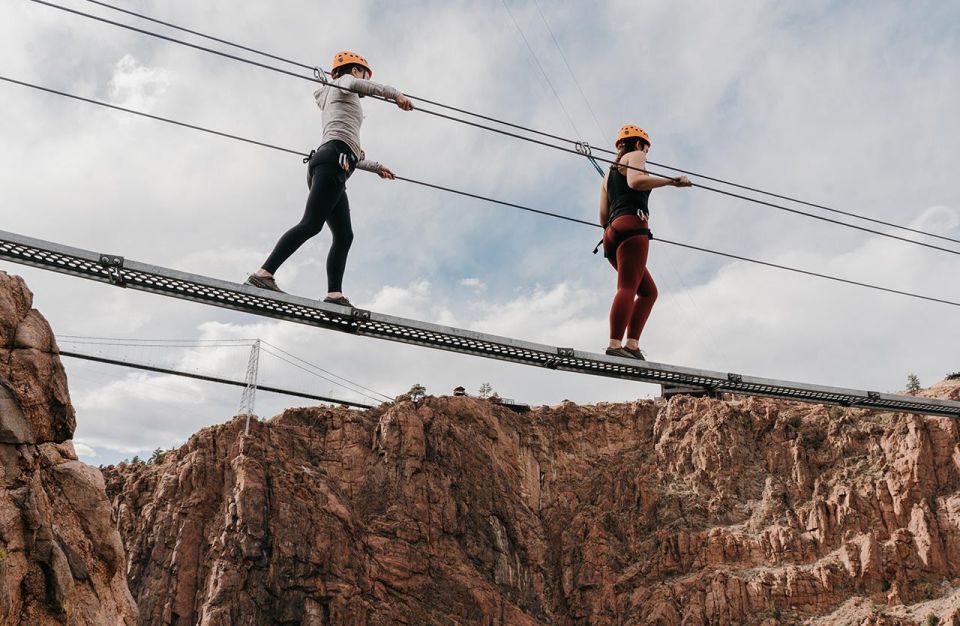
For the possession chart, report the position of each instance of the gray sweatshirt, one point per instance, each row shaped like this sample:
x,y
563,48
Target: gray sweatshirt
x,y
342,113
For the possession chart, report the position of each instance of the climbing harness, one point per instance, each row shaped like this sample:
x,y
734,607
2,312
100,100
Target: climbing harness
x,y
622,235
347,162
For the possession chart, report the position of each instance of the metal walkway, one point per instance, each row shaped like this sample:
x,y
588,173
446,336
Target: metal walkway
x,y
116,270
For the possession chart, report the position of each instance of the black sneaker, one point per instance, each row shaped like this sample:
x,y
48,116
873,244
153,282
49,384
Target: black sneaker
x,y
263,282
620,352
636,353
341,300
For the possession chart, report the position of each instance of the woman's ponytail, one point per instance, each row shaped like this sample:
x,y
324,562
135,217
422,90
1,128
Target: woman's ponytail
x,y
627,145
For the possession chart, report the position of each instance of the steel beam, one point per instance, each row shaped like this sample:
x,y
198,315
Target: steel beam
x,y
116,270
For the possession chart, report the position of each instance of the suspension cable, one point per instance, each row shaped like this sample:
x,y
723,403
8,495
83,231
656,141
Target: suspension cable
x,y
312,373
207,378
478,115
543,72
315,366
573,75
198,343
501,202
130,342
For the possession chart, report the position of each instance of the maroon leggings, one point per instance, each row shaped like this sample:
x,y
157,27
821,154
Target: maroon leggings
x,y
636,291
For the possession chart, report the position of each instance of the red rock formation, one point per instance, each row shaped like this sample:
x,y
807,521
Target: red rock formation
x,y
61,559
458,511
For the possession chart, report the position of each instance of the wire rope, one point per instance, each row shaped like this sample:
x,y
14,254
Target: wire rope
x,y
580,144
519,206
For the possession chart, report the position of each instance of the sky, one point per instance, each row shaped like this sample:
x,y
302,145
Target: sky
x,y
848,104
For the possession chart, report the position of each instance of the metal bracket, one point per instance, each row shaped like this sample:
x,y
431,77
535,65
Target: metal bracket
x,y
357,319
734,378
873,395
113,264
554,362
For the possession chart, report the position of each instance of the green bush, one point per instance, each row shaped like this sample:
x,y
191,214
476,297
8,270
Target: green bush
x,y
913,383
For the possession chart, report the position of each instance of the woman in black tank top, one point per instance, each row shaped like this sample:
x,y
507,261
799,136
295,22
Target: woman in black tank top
x,y
626,238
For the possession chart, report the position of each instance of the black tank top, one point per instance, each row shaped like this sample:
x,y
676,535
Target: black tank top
x,y
622,200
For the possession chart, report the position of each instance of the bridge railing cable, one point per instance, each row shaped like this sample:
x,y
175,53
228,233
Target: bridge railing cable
x,y
319,76
499,202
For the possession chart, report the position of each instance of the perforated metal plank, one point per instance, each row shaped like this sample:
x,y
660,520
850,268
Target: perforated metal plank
x,y
133,275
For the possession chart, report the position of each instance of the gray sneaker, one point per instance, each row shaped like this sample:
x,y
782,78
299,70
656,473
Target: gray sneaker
x,y
263,282
620,352
341,300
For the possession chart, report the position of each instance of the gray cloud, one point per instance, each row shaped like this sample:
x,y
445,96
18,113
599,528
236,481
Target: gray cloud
x,y
825,102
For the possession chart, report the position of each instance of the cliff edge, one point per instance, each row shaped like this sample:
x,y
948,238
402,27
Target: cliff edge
x,y
61,557
454,510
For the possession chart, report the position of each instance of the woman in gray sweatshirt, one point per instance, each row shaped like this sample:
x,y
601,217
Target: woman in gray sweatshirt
x,y
329,167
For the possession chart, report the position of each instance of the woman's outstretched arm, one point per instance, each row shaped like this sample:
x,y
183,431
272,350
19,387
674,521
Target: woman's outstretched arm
x,y
370,88
639,180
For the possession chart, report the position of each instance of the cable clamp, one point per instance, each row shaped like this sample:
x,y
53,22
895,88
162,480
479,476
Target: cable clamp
x,y
873,395
554,362
583,148
113,265
320,75
734,378
358,318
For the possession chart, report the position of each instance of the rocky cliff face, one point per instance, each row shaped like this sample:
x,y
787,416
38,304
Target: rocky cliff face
x,y
61,558
458,511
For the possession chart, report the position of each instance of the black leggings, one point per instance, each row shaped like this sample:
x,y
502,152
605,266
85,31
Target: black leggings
x,y
326,203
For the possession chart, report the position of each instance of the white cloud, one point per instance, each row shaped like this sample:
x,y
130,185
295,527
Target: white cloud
x,y
417,301
137,87
474,283
811,100
558,315
83,450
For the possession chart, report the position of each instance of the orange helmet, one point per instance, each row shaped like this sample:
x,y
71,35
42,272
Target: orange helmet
x,y
345,57
629,130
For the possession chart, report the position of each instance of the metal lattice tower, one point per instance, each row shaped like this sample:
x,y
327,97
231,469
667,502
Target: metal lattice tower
x,y
248,399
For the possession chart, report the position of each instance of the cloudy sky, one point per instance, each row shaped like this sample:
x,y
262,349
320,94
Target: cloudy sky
x,y
849,104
